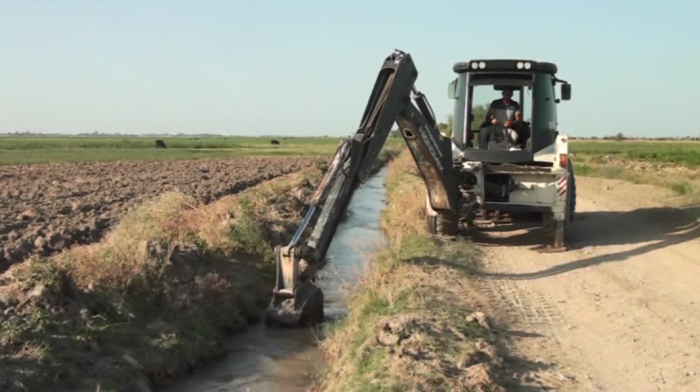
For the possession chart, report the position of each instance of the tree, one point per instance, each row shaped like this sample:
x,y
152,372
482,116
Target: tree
x,y
479,112
446,128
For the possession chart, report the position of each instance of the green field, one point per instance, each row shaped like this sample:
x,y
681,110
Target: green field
x,y
32,150
668,164
679,152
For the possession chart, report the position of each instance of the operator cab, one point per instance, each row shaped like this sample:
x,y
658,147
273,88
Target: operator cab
x,y
496,127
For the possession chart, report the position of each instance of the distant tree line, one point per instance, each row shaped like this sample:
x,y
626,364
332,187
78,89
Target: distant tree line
x,y
621,137
479,112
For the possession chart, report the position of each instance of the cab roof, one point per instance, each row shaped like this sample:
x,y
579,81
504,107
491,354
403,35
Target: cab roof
x,y
504,65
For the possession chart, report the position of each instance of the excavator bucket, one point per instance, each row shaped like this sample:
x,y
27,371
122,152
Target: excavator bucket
x,y
293,304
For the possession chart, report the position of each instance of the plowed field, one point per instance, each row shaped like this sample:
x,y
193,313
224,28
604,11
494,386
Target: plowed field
x,y
46,208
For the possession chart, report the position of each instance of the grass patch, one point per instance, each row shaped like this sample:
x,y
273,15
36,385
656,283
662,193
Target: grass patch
x,y
683,180
248,235
682,188
409,326
114,143
668,164
683,153
35,150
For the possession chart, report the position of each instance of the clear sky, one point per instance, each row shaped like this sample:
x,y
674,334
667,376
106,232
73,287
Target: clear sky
x,y
307,67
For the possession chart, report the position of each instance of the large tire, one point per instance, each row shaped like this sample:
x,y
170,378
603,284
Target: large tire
x,y
443,224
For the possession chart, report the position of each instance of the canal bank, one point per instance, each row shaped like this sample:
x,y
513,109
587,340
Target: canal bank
x,y
264,359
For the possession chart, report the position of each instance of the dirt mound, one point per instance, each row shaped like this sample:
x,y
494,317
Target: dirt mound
x,y
53,330
417,345
47,208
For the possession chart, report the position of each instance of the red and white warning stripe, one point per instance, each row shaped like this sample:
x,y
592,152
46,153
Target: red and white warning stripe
x,y
561,186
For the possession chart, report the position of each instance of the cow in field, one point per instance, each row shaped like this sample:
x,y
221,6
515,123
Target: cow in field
x,y
160,144
275,142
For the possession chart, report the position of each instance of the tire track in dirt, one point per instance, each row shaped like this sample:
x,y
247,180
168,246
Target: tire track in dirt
x,y
47,208
619,311
521,313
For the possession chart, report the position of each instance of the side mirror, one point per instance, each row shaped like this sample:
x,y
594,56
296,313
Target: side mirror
x,y
566,91
452,90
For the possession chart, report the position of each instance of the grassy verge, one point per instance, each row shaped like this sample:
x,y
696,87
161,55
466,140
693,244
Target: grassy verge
x,y
410,326
669,164
39,156
78,149
662,152
143,142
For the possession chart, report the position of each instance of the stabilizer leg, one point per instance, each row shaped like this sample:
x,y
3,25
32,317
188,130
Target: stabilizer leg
x,y
555,230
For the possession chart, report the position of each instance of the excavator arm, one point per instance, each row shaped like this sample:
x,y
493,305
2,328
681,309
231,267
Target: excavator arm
x,y
296,300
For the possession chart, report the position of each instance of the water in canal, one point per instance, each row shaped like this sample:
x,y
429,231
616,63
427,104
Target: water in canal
x,y
264,359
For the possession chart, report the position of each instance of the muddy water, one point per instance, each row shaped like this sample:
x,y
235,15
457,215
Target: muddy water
x,y
266,359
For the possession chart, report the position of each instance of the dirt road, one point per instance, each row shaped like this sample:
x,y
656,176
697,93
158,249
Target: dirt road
x,y
618,312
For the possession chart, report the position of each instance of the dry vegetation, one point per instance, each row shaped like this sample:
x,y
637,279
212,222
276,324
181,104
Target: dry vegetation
x,y
151,300
411,325
155,297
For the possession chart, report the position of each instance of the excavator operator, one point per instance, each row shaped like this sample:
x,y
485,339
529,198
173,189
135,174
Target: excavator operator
x,y
504,112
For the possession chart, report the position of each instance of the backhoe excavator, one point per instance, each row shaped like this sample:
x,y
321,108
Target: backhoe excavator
x,y
524,169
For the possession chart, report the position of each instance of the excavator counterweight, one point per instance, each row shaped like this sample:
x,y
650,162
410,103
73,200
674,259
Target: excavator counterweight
x,y
296,299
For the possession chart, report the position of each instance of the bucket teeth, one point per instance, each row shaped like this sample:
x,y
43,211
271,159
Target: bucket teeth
x,y
304,308
293,303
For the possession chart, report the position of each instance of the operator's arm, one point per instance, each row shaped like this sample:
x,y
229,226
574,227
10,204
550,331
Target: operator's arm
x,y
518,118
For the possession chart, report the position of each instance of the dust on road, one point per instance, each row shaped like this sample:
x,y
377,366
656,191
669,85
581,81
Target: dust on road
x,y
620,311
